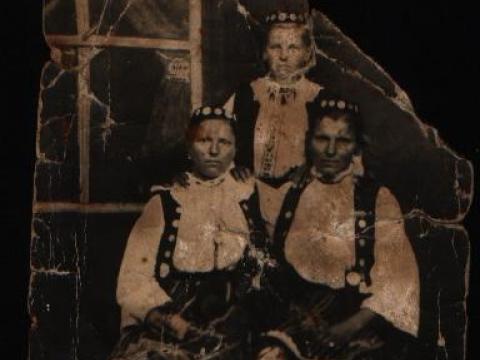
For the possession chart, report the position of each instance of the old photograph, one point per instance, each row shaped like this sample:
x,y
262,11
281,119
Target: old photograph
x,y
237,179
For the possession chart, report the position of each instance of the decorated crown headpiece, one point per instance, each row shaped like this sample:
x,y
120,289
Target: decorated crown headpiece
x,y
281,17
212,112
327,103
338,104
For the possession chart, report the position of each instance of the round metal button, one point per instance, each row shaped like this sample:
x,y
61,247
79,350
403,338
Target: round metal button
x,y
353,278
362,224
164,270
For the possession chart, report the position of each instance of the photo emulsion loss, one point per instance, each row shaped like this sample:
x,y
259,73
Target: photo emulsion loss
x,y
237,179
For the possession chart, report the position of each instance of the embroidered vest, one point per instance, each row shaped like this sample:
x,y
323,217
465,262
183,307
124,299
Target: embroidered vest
x,y
164,269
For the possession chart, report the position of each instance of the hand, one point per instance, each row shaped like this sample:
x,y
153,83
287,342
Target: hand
x,y
299,175
272,353
241,173
179,325
342,333
174,322
181,179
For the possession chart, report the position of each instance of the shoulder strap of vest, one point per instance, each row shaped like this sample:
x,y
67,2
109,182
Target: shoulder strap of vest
x,y
163,265
365,196
246,109
256,224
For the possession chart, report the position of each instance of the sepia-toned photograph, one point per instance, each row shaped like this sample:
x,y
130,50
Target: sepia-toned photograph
x,y
238,179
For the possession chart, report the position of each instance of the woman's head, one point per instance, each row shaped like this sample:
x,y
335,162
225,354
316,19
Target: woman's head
x,y
289,48
334,136
211,142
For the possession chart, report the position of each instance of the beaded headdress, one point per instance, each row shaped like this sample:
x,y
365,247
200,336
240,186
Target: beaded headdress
x,y
326,103
281,17
338,104
212,112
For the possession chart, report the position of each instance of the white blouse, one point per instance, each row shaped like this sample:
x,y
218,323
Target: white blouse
x,y
212,234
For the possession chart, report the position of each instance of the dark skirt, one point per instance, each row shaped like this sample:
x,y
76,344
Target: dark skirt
x,y
299,314
219,324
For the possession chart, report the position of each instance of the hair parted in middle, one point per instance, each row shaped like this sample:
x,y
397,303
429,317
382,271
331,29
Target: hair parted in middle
x,y
328,104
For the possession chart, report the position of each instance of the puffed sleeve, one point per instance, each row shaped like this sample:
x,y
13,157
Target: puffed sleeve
x,y
137,290
395,285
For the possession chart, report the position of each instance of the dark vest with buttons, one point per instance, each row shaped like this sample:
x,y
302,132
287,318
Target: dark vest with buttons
x,y
164,269
246,109
365,194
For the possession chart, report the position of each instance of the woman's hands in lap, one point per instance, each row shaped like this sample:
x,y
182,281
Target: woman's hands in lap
x,y
272,353
174,322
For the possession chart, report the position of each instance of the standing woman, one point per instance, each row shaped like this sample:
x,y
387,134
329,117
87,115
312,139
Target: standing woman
x,y
186,266
271,109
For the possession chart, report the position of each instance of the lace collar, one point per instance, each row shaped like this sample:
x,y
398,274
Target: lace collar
x,y
192,179
283,94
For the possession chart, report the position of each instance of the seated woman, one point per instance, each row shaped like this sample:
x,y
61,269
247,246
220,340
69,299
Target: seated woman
x,y
188,261
347,281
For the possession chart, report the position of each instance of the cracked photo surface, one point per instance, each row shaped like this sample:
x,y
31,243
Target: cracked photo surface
x,y
237,179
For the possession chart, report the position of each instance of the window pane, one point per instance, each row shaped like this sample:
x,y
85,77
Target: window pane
x,y
139,114
60,17
57,168
142,18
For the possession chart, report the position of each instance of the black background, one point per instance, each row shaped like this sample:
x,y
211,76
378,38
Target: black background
x,y
429,49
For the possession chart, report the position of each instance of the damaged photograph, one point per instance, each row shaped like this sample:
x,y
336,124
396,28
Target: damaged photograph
x,y
237,179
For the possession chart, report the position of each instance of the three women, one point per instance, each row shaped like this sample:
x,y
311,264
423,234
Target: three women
x,y
192,260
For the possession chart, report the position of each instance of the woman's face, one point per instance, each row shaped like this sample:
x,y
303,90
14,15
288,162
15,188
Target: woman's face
x,y
286,52
212,148
333,145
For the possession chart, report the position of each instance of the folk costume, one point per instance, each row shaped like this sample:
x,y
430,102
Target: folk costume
x,y
341,247
272,118
191,254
